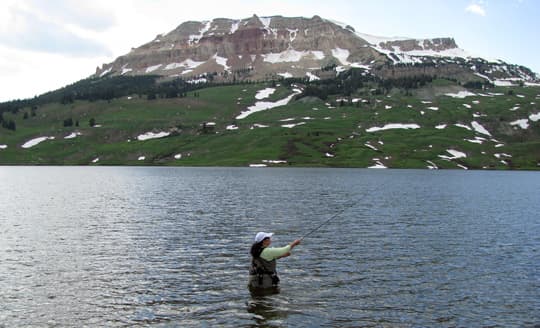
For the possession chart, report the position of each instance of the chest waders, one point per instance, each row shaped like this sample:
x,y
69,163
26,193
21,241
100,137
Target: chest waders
x,y
263,273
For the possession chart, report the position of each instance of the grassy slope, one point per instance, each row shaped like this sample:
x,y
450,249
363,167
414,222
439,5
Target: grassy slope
x,y
340,132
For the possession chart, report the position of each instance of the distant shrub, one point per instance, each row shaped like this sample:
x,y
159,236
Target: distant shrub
x,y
10,125
68,122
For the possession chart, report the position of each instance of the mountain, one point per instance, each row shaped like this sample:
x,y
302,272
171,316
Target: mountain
x,y
276,91
259,48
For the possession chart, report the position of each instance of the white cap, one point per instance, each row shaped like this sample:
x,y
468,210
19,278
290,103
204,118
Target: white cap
x,y
261,235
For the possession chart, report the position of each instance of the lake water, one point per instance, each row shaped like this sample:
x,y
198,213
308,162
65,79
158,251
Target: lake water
x,y
126,246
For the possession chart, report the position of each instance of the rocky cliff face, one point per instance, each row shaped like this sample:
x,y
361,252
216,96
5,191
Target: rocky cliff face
x,y
270,47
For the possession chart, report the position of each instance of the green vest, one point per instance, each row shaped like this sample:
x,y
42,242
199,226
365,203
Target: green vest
x,y
263,273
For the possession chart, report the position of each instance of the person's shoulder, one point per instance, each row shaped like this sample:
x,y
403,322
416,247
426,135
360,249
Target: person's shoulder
x,y
267,249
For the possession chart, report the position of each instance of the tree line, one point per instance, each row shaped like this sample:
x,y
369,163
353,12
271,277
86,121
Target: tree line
x,y
348,82
111,87
7,124
155,87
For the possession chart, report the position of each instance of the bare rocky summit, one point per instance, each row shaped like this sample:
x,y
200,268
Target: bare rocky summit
x,y
258,48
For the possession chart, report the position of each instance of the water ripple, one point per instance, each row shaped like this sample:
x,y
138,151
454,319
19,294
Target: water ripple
x,y
169,247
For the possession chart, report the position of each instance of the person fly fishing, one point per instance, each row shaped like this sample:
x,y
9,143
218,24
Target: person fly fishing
x,y
262,273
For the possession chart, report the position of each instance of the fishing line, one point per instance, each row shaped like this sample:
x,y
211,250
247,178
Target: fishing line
x,y
326,221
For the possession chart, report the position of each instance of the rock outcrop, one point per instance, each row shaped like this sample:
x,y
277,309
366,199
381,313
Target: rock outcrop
x,y
271,47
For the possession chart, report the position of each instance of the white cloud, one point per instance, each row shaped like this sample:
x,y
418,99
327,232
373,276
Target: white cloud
x,y
91,15
26,74
29,27
476,8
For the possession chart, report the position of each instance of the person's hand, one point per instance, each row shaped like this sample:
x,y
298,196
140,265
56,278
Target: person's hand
x,y
296,242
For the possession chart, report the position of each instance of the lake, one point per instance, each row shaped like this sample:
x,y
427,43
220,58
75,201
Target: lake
x,y
140,246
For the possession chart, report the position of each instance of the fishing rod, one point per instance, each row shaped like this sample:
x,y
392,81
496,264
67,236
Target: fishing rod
x,y
326,221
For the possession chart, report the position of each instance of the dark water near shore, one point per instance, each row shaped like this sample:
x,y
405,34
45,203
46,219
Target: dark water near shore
x,y
169,247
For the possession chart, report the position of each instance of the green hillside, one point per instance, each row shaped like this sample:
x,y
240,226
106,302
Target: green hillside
x,y
308,131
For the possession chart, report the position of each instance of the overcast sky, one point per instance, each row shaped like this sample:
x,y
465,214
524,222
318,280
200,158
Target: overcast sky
x,y
47,44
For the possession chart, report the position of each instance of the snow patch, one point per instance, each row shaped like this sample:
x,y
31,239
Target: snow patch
x,y
371,146
461,94
188,63
266,21
522,123
462,166
479,128
290,55
285,75
257,165
500,155
273,161
319,55
152,68
290,126
264,105
292,34
341,55
152,135
340,69
312,77
196,81
221,61
378,165
503,83
105,72
393,126
432,166
455,154
72,135
264,93
358,65
534,117
234,27
31,143
194,38
459,125
477,140
397,55
256,125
